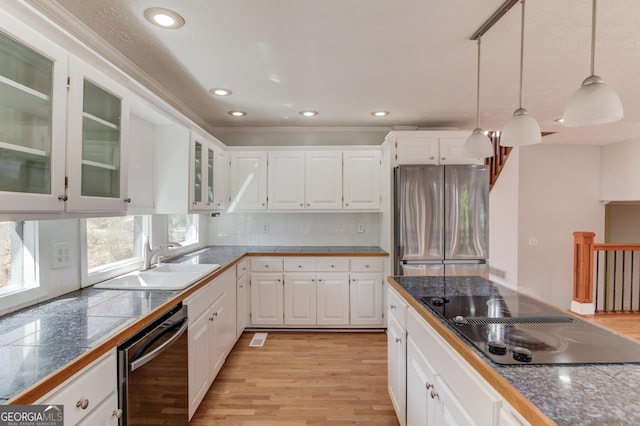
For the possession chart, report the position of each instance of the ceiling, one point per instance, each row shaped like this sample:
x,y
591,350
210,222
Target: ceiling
x,y
347,58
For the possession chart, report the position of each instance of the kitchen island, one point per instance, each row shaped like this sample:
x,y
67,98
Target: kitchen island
x,y
44,345
565,394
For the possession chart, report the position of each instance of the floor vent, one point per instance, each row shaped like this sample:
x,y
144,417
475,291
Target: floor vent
x,y
258,340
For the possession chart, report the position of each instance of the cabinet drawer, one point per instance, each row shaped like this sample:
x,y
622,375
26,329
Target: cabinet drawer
x,y
241,268
367,265
266,265
300,264
332,264
93,385
397,306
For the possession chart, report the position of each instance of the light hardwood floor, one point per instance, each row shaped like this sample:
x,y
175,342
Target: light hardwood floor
x,y
627,324
301,378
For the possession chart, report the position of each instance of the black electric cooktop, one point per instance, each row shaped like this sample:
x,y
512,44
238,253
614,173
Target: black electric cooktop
x,y
511,328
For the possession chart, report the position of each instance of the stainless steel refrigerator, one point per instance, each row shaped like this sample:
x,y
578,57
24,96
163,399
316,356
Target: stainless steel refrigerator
x,y
441,219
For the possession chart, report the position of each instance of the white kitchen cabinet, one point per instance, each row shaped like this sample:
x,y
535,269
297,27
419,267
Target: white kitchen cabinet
x,y
220,179
97,145
300,298
81,397
332,298
429,147
243,297
286,180
212,333
207,185
396,367
456,393
267,303
365,298
33,75
172,169
323,180
362,180
248,180
105,414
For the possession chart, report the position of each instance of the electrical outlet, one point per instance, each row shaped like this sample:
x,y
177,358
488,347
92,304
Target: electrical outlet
x,y
61,255
265,228
360,228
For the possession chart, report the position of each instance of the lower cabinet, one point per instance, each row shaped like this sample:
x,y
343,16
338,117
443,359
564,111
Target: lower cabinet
x,y
267,304
397,367
84,402
212,333
306,291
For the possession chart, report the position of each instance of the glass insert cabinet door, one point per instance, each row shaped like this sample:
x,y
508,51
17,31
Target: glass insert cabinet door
x,y
98,119
32,118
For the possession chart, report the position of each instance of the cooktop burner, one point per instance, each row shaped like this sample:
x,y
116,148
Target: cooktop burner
x,y
511,328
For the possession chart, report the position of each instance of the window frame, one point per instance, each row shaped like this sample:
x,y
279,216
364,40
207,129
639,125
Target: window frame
x,y
114,269
32,286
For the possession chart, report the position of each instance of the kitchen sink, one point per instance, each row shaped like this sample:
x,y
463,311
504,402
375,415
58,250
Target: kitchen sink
x,y
164,277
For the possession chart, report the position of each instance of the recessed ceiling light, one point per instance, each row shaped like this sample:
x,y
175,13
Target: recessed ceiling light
x,y
237,113
164,18
559,120
220,91
308,113
380,113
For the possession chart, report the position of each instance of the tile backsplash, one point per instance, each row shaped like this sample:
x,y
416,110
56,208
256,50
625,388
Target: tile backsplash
x,y
295,229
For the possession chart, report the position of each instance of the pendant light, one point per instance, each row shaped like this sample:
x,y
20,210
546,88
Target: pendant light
x,y
594,102
478,145
521,129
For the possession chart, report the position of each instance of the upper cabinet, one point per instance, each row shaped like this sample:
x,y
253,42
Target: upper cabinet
x,y
362,180
33,75
429,147
98,118
306,180
220,178
248,180
323,180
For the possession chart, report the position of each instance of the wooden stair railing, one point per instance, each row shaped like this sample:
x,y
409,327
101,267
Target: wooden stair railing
x,y
500,154
610,272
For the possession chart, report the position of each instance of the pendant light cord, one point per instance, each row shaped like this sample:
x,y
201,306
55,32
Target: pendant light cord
x,y
593,38
478,89
522,49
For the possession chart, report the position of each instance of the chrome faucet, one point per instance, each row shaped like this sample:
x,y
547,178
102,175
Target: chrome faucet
x,y
149,253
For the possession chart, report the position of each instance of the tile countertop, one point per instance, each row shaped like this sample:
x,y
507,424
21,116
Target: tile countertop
x,y
42,339
589,394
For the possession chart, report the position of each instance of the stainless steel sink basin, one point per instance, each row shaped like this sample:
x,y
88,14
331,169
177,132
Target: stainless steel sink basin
x,y
168,276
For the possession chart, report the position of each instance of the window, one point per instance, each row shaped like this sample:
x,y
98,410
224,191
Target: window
x,y
183,229
112,246
19,281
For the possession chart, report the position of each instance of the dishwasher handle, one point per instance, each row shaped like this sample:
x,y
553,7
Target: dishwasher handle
x,y
138,361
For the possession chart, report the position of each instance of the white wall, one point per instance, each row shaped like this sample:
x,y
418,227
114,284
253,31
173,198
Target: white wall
x,y
294,229
620,172
503,222
559,194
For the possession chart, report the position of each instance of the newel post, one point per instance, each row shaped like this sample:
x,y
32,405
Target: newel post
x,y
583,272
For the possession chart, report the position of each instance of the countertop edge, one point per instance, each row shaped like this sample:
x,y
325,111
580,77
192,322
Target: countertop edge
x,y
512,395
45,385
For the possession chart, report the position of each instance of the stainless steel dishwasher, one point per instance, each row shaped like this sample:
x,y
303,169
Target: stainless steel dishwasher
x,y
153,372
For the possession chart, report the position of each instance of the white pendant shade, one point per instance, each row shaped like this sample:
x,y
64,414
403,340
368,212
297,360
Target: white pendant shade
x,y
594,103
521,129
478,145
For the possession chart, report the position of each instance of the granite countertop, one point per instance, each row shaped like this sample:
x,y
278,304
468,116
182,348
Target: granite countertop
x,y
588,394
39,340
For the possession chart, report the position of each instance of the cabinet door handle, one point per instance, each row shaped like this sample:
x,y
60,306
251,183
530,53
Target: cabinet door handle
x,y
432,158
299,266
443,158
429,386
346,204
319,280
308,204
83,403
127,200
266,266
63,197
117,413
366,266
392,306
301,204
398,340
279,280
434,394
